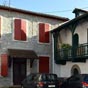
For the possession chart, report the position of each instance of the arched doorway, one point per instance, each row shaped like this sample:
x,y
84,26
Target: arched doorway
x,y
75,70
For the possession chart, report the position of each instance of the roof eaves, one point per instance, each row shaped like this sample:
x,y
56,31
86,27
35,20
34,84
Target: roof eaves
x,y
69,23
32,13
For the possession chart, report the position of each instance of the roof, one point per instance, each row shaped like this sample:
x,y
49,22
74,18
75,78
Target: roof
x,y
70,22
77,9
11,9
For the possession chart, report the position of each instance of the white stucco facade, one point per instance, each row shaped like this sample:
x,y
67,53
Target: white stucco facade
x,y
66,37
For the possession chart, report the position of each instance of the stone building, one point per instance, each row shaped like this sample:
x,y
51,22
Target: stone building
x,y
25,43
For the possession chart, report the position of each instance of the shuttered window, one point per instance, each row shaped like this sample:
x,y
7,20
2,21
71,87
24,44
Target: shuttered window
x,y
43,33
4,65
20,30
43,64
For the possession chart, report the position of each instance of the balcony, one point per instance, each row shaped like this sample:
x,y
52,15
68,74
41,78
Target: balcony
x,y
75,54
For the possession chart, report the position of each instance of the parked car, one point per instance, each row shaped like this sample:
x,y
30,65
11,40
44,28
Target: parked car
x,y
85,80
76,81
40,80
61,80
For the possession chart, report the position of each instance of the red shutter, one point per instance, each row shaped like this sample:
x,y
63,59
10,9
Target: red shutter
x,y
0,26
17,29
23,30
4,65
41,32
43,64
44,33
47,33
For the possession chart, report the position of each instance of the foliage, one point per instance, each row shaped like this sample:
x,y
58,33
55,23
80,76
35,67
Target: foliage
x,y
65,46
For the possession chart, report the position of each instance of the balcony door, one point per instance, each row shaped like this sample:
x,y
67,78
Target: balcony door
x,y
75,44
75,40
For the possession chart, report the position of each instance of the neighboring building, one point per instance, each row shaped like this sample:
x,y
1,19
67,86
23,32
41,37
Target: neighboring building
x,y
71,45
25,43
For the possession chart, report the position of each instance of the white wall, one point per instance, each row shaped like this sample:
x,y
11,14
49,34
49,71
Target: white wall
x,y
65,70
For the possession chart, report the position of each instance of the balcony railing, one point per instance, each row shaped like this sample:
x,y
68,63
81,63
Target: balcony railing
x,y
79,52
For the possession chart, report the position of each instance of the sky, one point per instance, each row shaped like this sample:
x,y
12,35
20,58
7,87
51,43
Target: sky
x,y
62,8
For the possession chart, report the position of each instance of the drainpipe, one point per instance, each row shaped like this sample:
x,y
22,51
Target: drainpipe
x,y
53,70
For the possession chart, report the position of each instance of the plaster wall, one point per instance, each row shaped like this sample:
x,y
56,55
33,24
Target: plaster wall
x,y
7,39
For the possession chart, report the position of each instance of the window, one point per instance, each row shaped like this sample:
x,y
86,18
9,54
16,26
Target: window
x,y
20,30
43,33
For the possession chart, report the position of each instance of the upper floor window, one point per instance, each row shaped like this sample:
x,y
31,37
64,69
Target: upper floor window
x,y
44,33
20,30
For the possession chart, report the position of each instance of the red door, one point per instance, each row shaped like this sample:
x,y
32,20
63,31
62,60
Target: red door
x,y
43,64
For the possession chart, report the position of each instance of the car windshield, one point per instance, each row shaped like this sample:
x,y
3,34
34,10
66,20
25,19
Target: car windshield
x,y
49,77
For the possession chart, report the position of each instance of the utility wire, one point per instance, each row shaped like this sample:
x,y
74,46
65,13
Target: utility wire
x,y
64,10
59,11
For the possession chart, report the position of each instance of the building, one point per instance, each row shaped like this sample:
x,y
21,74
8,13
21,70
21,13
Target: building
x,y
71,45
25,43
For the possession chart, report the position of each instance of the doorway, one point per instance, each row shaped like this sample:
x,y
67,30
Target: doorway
x,y
75,40
19,70
75,70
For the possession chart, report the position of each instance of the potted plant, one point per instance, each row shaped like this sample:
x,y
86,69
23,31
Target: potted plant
x,y
65,49
65,46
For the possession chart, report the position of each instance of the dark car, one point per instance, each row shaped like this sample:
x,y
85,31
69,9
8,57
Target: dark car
x,y
40,80
76,81
85,80
61,80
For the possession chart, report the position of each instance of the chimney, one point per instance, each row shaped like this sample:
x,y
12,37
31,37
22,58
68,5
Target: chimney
x,y
79,12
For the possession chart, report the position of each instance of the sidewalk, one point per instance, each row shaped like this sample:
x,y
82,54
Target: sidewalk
x,y
14,86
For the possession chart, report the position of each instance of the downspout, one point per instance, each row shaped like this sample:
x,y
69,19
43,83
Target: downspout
x,y
53,64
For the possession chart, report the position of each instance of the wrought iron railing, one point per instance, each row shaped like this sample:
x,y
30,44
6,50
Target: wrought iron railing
x,y
75,52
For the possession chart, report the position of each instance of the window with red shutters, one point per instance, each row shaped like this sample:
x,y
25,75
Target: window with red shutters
x,y
20,30
43,64
43,33
4,65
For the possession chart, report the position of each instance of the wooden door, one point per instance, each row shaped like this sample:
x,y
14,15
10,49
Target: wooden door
x,y
19,70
